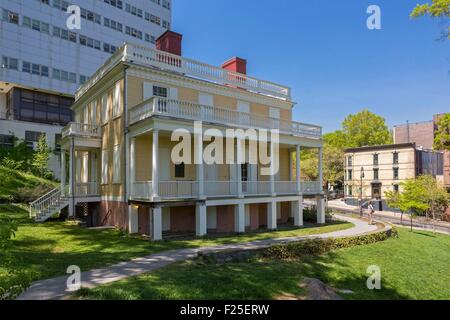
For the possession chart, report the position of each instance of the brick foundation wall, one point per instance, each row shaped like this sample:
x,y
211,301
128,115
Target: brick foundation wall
x,y
285,209
225,219
182,219
262,211
111,213
254,217
144,221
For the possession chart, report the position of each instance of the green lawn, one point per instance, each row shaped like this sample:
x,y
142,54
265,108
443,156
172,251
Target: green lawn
x,y
46,250
13,180
415,266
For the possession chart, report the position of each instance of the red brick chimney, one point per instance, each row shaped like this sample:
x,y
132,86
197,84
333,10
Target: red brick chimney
x,y
236,65
170,42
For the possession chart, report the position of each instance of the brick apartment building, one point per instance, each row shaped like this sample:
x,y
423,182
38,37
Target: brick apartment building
x,y
422,134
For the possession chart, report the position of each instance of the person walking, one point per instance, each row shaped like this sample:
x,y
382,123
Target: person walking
x,y
371,212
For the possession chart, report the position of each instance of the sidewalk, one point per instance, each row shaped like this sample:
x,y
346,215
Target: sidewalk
x,y
338,204
56,288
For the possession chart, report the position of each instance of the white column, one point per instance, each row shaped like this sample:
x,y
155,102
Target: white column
x,y
200,220
239,162
298,212
71,170
272,215
132,219
297,169
93,172
157,224
71,209
272,172
63,170
320,209
155,160
198,140
132,164
320,169
239,218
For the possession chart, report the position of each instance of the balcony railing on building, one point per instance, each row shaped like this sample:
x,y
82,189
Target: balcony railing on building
x,y
155,58
81,130
193,111
143,190
86,189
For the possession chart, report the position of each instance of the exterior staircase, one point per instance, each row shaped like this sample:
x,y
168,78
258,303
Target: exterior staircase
x,y
48,205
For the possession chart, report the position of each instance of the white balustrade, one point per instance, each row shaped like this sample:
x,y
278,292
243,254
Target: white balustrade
x,y
220,188
192,111
167,61
86,189
285,187
189,189
81,129
178,189
311,187
142,190
256,188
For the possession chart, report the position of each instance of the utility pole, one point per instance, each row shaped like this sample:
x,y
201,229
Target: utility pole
x,y
361,193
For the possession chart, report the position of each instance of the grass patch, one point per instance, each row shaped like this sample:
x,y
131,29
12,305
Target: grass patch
x,y
45,250
414,266
13,180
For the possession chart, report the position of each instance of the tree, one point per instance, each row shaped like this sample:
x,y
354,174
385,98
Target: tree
x,y
365,129
423,196
437,9
41,157
333,165
17,157
309,162
442,135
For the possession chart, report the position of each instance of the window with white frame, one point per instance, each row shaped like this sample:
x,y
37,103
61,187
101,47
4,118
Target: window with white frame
x,y
105,162
117,176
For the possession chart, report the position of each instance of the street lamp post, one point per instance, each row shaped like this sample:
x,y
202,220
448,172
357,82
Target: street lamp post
x,y
361,192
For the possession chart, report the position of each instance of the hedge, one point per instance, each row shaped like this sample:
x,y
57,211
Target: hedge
x,y
320,246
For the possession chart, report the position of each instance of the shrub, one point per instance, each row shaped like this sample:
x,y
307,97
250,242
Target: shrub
x,y
320,246
310,214
30,194
8,228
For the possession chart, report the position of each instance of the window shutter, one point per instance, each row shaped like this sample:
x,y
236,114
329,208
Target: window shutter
x,y
173,93
147,90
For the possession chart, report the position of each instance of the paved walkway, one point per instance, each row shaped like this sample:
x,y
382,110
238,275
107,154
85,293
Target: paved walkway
x,y
395,218
56,288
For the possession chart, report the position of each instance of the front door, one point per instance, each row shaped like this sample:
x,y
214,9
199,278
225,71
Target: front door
x,y
376,191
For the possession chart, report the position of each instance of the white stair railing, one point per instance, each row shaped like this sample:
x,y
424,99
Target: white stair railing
x,y
46,201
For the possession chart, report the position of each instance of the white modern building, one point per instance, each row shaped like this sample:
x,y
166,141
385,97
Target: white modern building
x,y
43,62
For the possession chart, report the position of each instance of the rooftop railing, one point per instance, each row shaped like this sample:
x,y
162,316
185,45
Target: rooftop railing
x,y
167,61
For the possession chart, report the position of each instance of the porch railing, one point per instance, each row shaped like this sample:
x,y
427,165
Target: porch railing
x,y
197,112
256,188
81,129
189,189
178,189
87,189
220,188
311,187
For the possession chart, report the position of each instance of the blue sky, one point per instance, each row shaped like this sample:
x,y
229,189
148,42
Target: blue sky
x,y
324,52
